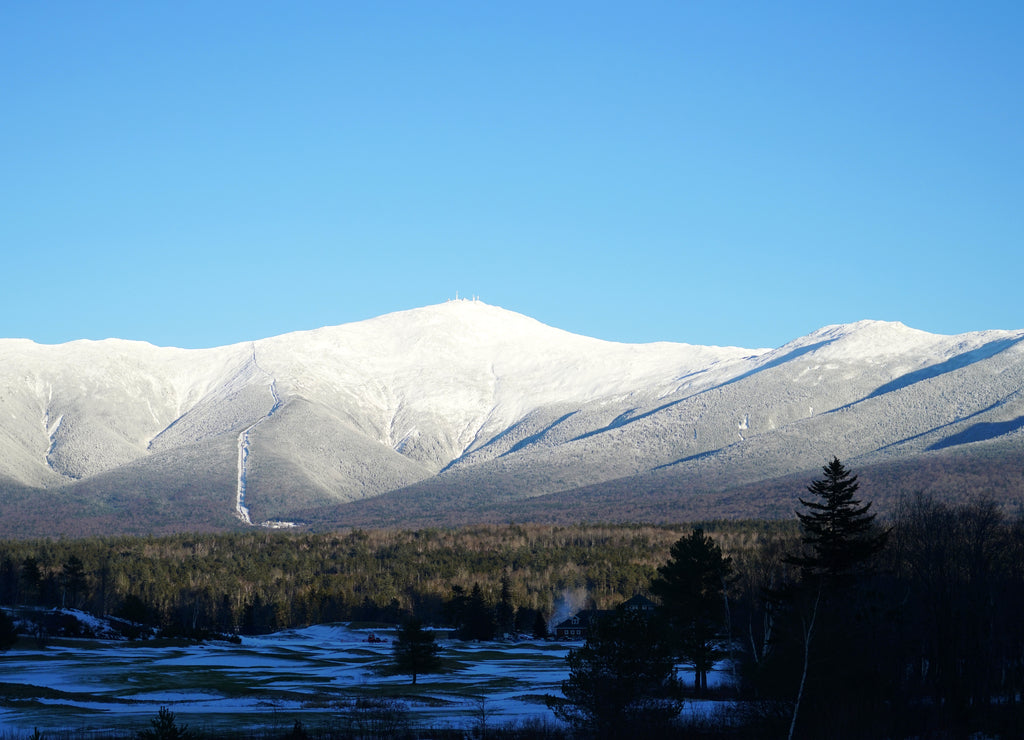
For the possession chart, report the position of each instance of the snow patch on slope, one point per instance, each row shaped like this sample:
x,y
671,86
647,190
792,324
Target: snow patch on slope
x,y
241,510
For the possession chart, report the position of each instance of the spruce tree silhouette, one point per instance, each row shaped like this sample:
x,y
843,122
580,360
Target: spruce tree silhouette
x,y
691,586
829,608
415,650
838,530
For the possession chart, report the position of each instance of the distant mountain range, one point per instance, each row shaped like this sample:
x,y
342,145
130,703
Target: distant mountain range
x,y
464,412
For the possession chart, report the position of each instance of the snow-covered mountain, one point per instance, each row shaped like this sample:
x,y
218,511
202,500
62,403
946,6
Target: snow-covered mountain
x,y
463,397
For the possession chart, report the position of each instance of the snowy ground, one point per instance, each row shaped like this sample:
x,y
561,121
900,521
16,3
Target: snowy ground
x,y
312,674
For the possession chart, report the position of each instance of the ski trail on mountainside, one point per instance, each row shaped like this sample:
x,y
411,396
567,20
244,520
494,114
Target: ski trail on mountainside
x,y
241,510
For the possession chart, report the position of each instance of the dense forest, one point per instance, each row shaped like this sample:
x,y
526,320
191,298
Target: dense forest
x,y
922,636
265,580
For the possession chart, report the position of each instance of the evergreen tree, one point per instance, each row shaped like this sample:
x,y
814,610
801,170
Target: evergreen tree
x,y
691,586
505,612
72,581
164,727
32,580
540,626
8,632
415,651
8,581
831,615
134,610
838,530
478,617
454,608
622,680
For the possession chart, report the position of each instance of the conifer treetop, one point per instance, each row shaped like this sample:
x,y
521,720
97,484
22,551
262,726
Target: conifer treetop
x,y
837,527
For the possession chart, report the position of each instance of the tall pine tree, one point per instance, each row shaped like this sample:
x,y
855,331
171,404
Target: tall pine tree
x,y
839,533
691,586
830,610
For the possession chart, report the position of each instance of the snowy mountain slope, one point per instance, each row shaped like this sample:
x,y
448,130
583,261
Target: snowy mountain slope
x,y
464,397
868,391
441,381
75,410
862,394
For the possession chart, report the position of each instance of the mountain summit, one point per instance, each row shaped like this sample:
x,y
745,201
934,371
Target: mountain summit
x,y
469,406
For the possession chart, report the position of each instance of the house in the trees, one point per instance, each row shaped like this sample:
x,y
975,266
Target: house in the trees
x,y
578,625
639,603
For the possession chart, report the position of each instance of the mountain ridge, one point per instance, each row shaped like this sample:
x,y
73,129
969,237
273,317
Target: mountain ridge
x,y
463,396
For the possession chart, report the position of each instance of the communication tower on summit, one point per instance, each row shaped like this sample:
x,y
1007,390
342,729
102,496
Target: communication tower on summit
x,y
474,298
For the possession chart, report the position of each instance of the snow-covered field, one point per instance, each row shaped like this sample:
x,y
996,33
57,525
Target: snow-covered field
x,y
313,674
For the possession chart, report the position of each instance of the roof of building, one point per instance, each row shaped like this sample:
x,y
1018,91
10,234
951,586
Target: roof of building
x,y
584,617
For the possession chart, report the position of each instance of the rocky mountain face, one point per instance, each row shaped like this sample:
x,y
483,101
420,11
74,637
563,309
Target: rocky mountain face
x,y
464,406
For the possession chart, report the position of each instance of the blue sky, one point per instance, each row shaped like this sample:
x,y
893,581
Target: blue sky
x,y
741,173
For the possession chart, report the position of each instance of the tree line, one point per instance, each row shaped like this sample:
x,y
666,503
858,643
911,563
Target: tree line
x,y
260,581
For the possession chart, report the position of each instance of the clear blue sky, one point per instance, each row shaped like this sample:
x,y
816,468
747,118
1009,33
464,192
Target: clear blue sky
x,y
196,174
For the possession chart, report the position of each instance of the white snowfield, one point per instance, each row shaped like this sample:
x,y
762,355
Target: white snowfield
x,y
474,393
314,674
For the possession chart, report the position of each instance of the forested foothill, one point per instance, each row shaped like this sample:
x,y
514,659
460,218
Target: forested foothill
x,y
261,581
836,623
